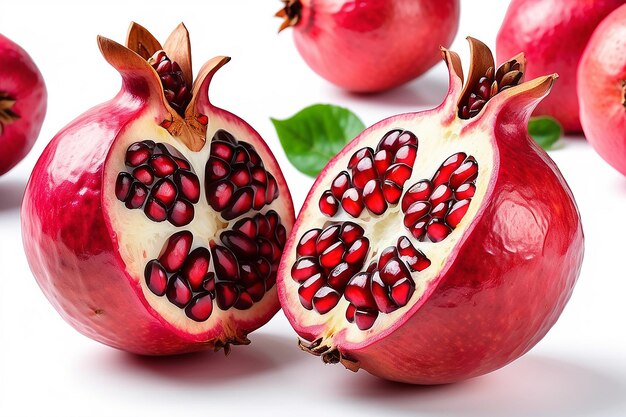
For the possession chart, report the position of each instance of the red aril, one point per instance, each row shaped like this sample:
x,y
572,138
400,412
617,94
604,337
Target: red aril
x,y
23,100
602,89
469,268
374,45
155,222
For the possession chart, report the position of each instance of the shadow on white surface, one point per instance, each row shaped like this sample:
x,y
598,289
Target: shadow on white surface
x,y
532,386
11,192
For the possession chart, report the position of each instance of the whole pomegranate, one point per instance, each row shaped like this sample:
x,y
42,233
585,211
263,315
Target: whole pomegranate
x,y
370,45
553,35
155,222
439,245
23,99
602,89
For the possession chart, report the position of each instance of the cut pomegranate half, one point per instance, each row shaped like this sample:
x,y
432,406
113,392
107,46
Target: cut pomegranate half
x,y
433,235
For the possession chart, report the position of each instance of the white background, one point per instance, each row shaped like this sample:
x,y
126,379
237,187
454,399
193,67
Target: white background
x,y
48,369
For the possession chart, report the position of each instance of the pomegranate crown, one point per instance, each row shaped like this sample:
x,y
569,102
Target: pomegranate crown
x,y
485,83
165,72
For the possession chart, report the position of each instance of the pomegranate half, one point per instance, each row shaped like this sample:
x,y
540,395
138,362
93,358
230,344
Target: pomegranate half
x,y
23,100
439,245
154,223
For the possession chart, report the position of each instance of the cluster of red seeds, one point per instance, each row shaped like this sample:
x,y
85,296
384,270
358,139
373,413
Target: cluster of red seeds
x,y
244,266
236,181
434,208
159,182
175,88
374,179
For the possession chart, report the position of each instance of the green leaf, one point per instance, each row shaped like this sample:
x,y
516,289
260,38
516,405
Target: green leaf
x,y
315,134
545,130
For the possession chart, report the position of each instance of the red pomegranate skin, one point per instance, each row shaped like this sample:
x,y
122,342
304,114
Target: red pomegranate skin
x,y
601,80
553,36
73,250
374,45
21,80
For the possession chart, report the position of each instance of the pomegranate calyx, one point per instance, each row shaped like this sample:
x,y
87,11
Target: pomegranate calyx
x,y
7,115
291,13
226,344
329,355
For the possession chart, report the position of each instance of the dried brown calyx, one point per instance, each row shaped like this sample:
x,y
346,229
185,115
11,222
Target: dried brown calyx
x,y
290,13
7,115
624,93
484,82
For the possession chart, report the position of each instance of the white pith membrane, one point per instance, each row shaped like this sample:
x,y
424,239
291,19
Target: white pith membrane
x,y
437,140
141,240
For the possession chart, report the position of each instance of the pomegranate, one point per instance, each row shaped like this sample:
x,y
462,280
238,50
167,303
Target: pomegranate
x,y
553,36
602,89
439,245
142,233
23,99
370,45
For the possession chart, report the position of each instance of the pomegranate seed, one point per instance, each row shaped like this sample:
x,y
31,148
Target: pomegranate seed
x,y
273,219
365,319
155,210
390,140
304,268
340,184
225,136
360,154
447,168
381,295
392,192
144,174
328,204
241,203
169,94
165,192
263,225
373,197
441,193
394,271
260,193
457,212
437,230
306,246
240,244
440,210
272,189
164,66
414,258
255,159
259,174
281,235
350,313
175,252
308,289
137,196
416,212
209,282
363,172
226,294
465,173
216,169
465,191
333,255
196,267
137,154
339,276
419,191
244,301
387,255
182,164
402,291
122,185
248,273
222,150
257,291
178,291
419,230
225,263
372,266
264,268
325,299
156,278
406,155
407,138
200,308
382,160
219,194
350,232
358,291
163,165
240,155
266,249
355,255
240,175
329,236
247,227
181,213
352,202
188,185
398,174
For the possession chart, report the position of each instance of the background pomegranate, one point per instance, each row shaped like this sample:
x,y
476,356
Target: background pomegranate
x,y
371,45
154,222
440,245
553,35
602,89
23,99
